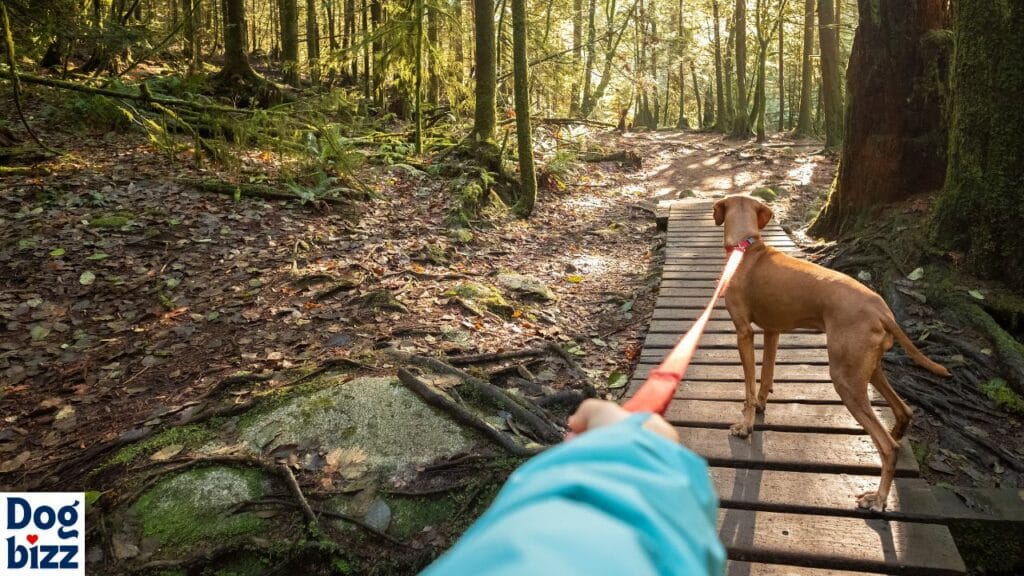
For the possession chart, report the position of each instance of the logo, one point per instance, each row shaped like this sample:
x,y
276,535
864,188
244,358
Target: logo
x,y
42,533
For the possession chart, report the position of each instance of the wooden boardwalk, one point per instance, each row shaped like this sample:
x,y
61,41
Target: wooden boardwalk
x,y
787,492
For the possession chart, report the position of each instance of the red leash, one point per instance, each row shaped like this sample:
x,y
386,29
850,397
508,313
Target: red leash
x,y
656,393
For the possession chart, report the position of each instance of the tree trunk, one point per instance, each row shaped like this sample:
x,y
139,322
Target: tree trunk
x,y
721,117
981,209
236,63
457,41
782,75
577,57
289,10
332,29
486,72
832,92
709,107
727,76
312,42
696,96
588,69
377,47
803,124
420,16
367,75
433,80
895,124
349,40
521,74
760,103
741,118
683,123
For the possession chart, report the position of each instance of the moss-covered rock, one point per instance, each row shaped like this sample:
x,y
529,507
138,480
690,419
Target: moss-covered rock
x,y
525,285
113,221
192,510
477,296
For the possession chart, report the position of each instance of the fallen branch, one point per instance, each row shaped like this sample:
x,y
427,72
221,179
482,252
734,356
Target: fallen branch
x,y
522,410
495,356
628,157
285,472
567,357
460,414
331,514
571,121
251,191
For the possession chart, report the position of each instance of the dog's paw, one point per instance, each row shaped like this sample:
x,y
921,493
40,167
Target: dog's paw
x,y
760,405
740,430
870,501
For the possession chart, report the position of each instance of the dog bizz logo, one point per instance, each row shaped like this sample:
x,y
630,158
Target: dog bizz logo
x,y
42,533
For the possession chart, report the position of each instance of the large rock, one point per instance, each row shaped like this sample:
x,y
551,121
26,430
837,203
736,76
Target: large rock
x,y
525,285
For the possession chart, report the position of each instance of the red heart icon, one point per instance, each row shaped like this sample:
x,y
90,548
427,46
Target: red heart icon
x,y
32,538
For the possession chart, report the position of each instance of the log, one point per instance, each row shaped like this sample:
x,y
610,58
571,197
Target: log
x,y
630,158
251,190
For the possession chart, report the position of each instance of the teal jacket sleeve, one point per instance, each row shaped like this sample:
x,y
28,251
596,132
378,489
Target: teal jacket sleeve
x,y
619,500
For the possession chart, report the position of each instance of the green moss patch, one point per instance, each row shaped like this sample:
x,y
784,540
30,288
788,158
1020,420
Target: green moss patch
x,y
1005,398
192,510
190,437
113,221
476,295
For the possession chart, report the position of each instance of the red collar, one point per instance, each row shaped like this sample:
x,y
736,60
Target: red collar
x,y
742,246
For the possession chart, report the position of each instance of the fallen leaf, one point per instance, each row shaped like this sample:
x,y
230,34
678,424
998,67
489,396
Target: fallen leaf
x,y
167,452
917,274
574,278
98,256
616,380
86,278
15,463
976,295
57,253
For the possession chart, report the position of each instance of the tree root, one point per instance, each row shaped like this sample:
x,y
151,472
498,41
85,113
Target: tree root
x,y
495,356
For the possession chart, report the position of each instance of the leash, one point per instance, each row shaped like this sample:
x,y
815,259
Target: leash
x,y
656,392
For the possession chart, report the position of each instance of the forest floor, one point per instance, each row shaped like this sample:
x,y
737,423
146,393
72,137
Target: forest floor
x,y
130,301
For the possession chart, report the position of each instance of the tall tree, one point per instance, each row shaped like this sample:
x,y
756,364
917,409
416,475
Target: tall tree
x,y
524,140
895,127
312,42
484,115
722,116
586,107
420,16
804,127
741,118
577,56
831,91
435,49
782,71
981,209
289,10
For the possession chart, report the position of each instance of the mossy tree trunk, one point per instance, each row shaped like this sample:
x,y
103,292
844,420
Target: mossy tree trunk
x,y
524,139
896,134
832,92
804,126
484,115
981,210
289,11
577,56
419,76
236,63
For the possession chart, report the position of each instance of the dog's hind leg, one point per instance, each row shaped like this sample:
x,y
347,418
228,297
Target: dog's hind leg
x,y
771,345
745,343
900,409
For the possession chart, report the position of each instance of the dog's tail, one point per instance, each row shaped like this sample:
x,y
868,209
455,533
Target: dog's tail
x,y
908,346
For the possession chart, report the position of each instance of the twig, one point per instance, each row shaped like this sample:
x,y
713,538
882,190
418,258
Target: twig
x,y
460,414
573,365
289,478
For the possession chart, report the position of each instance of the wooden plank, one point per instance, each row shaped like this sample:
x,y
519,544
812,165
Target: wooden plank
x,y
794,451
685,302
782,392
728,373
732,357
785,417
820,493
840,543
666,340
739,568
679,326
718,313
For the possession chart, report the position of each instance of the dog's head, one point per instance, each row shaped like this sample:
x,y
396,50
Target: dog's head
x,y
743,216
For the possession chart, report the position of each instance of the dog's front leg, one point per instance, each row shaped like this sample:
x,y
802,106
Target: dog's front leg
x,y
745,343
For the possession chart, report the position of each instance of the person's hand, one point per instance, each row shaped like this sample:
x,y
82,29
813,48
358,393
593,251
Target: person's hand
x,y
597,413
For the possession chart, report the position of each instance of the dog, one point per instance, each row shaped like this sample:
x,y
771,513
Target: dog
x,y
780,293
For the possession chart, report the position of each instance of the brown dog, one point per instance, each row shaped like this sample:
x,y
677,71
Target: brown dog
x,y
779,293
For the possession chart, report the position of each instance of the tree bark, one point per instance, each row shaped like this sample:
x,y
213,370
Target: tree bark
x,y
577,57
484,115
804,127
895,125
721,117
981,209
782,74
420,16
832,92
588,68
741,117
312,42
433,80
524,139
289,11
696,97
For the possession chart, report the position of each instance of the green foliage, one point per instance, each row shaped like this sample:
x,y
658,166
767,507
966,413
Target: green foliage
x,y
999,392
90,111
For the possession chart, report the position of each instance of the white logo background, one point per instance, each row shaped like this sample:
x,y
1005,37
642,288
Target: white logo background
x,y
42,533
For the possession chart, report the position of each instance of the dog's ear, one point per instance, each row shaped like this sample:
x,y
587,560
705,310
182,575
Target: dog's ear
x,y
764,215
719,211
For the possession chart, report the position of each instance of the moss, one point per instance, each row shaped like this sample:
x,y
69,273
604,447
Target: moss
x,y
411,515
998,392
767,194
111,221
484,295
992,547
462,235
190,437
191,510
